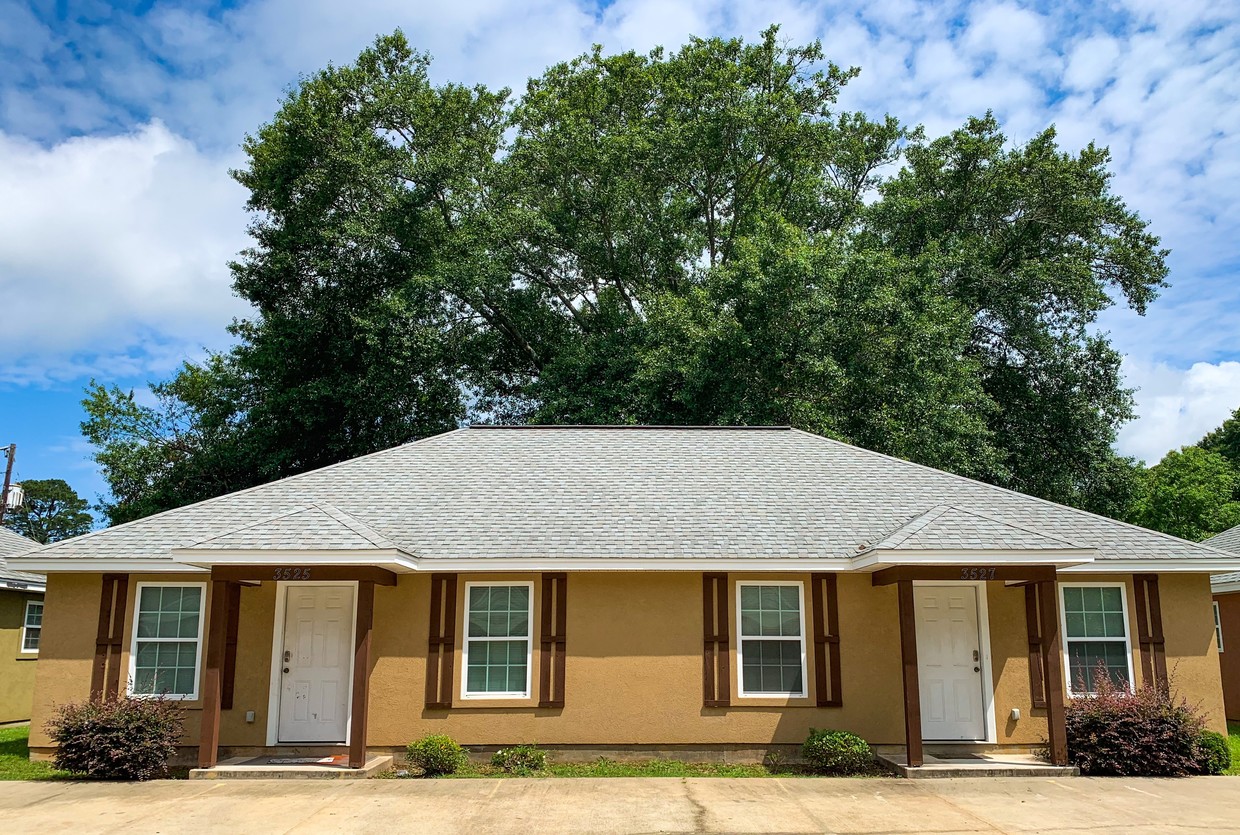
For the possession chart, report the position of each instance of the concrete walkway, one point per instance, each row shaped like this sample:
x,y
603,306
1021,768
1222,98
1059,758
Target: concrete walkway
x,y
1074,805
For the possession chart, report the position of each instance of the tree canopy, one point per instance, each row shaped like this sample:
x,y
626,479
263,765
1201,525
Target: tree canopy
x,y
697,236
52,511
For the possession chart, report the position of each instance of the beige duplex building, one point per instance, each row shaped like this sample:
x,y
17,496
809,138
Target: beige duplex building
x,y
686,591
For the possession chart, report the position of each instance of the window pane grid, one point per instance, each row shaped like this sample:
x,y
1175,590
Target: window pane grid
x,y
772,644
32,626
1096,633
497,640
165,648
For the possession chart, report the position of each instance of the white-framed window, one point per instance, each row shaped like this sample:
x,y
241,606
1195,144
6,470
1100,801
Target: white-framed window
x,y
771,639
498,648
1218,627
166,651
1095,629
32,626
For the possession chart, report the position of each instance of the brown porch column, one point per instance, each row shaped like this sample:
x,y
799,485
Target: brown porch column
x,y
912,692
217,636
1052,661
361,673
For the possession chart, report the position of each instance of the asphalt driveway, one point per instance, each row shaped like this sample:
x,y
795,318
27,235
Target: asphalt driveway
x,y
1199,805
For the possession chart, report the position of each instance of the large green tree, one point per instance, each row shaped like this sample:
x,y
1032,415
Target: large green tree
x,y
1191,493
51,511
698,236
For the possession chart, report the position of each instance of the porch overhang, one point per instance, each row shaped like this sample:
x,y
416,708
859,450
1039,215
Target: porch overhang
x,y
878,559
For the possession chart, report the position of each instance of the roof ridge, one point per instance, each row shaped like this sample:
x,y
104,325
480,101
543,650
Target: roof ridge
x,y
204,502
358,526
901,534
980,515
1007,491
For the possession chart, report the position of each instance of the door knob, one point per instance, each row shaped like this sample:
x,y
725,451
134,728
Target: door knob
x,y
975,669
286,669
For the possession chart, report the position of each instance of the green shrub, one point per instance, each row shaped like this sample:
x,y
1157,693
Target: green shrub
x,y
1213,753
117,739
836,752
436,754
520,759
1148,732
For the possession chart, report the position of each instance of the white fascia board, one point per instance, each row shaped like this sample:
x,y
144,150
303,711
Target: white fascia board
x,y
1225,588
22,585
758,564
1164,566
93,565
889,557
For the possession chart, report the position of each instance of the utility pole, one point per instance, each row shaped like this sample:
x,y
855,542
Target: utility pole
x,y
10,452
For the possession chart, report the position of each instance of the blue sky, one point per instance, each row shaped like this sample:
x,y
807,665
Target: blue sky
x,y
119,122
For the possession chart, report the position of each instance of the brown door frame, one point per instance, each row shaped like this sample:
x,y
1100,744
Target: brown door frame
x,y
1045,576
366,577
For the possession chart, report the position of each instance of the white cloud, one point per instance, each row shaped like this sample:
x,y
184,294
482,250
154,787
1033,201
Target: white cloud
x,y
1177,406
113,244
118,238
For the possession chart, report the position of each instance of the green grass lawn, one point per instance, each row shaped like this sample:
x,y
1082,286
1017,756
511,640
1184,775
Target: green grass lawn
x,y
1233,741
603,767
15,761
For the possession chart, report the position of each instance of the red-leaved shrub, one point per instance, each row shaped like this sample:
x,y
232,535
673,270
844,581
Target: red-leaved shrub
x,y
1149,732
117,739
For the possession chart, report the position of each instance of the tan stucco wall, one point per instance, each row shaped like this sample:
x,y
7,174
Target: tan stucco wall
x,y
634,665
17,668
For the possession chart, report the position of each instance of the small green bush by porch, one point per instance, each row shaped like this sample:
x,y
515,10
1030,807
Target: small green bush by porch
x,y
117,739
1213,753
838,753
436,754
520,759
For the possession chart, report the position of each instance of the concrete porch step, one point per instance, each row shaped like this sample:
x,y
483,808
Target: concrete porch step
x,y
270,768
976,765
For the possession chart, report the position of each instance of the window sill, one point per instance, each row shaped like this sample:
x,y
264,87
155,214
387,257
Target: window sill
x,y
28,656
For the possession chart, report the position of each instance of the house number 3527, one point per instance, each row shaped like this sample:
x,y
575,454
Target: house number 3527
x,y
292,574
978,573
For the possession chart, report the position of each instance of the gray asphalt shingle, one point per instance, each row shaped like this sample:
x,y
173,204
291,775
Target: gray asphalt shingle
x,y
583,492
11,545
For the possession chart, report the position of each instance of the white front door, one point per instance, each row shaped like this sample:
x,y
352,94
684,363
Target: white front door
x,y
949,663
315,685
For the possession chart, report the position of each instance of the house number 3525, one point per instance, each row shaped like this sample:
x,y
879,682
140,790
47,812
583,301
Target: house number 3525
x,y
978,573
292,574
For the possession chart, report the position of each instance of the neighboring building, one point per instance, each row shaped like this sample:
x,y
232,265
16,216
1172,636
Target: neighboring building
x,y
21,622
1226,589
669,590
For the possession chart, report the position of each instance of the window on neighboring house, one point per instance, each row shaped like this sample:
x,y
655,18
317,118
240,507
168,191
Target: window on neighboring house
x,y
497,640
1218,627
772,639
32,626
167,642
1096,633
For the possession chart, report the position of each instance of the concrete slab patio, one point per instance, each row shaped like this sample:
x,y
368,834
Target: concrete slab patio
x,y
989,805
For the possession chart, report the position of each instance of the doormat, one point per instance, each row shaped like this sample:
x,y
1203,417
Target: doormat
x,y
339,759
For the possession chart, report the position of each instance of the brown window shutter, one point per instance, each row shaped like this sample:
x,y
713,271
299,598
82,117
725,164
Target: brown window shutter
x,y
1033,626
716,669
826,614
228,673
106,674
442,646
552,659
1150,630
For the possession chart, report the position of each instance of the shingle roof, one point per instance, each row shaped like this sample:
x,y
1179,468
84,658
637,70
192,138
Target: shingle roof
x,y
1228,540
318,527
584,492
947,528
10,545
